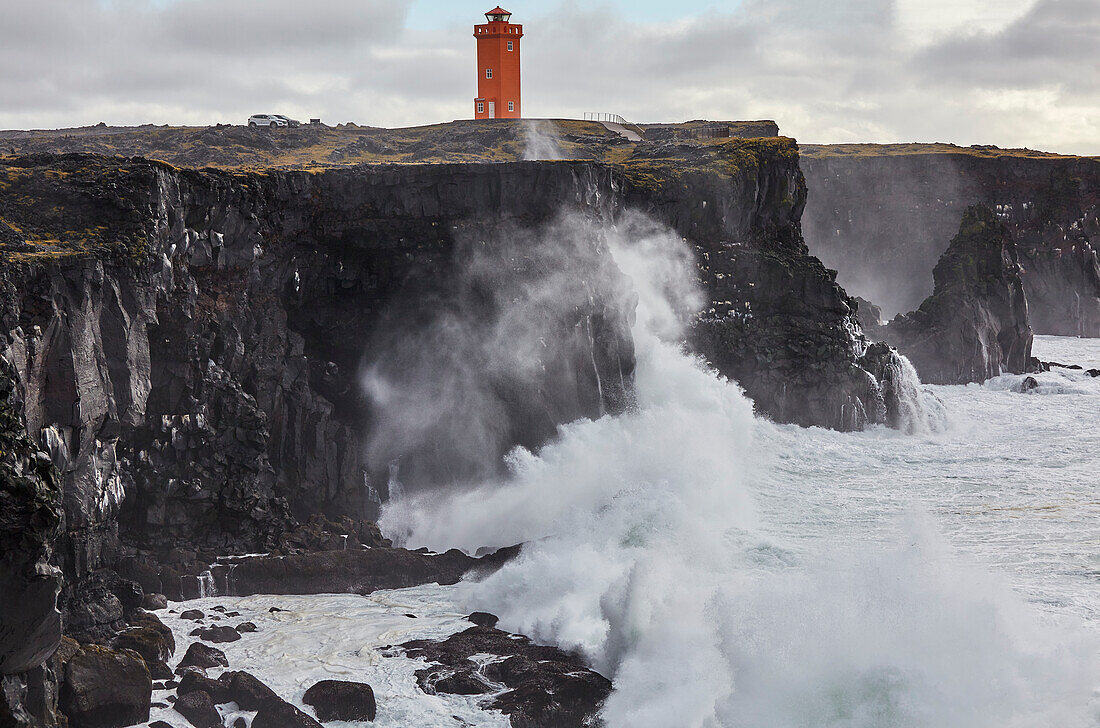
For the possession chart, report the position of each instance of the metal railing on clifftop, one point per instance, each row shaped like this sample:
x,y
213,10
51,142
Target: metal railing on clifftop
x,y
600,116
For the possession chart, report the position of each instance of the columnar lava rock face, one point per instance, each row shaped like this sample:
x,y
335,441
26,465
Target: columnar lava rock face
x,y
882,216
30,521
190,347
776,322
187,345
975,324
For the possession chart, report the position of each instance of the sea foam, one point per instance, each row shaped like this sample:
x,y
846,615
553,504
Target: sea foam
x,y
660,545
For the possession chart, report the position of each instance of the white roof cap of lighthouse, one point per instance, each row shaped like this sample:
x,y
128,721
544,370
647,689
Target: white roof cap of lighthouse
x,y
498,14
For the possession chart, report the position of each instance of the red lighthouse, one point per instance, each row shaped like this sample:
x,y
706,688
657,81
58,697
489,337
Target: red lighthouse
x,y
497,66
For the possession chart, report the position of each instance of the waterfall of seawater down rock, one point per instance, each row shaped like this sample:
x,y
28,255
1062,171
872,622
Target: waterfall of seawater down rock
x,y
720,569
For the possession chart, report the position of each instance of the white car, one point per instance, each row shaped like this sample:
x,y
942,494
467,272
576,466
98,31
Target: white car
x,y
268,120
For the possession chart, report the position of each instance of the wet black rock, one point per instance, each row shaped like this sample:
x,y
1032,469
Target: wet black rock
x,y
160,724
154,601
198,708
273,712
159,670
359,571
149,637
341,700
483,619
104,688
193,680
975,324
192,614
244,627
546,686
129,593
455,682
1028,384
203,657
220,634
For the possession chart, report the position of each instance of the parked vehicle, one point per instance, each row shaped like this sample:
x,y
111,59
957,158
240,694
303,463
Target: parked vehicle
x,y
268,120
289,122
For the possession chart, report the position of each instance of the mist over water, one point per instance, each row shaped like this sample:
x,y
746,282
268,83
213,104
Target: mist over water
x,y
706,562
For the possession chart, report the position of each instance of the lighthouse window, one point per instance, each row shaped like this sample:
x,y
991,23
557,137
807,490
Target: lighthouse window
x,y
488,73
510,45
511,105
480,107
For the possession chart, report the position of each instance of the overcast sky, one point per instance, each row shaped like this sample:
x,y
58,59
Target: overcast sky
x,y
1005,72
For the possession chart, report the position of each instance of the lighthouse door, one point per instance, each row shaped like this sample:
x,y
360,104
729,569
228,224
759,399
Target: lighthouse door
x,y
492,109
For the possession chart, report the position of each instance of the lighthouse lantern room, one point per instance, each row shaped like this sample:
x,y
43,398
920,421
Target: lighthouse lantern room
x,y
498,87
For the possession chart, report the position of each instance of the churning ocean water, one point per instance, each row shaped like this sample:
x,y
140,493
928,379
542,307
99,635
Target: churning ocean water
x,y
727,571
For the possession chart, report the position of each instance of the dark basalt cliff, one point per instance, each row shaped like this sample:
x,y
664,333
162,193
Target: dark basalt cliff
x,y
187,345
777,322
30,520
882,217
975,324
209,358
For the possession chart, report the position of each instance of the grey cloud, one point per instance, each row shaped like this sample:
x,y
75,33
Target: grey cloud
x,y
291,27
1057,42
836,71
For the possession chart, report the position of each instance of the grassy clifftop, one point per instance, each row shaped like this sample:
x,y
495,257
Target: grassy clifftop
x,y
58,207
323,147
86,191
832,151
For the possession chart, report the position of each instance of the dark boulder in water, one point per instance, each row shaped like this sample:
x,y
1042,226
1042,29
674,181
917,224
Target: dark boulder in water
x,y
546,686
483,619
341,700
103,688
203,657
975,324
272,711
198,708
193,680
147,636
219,634
248,692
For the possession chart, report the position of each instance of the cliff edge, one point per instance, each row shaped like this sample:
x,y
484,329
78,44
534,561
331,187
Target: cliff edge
x,y
975,324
